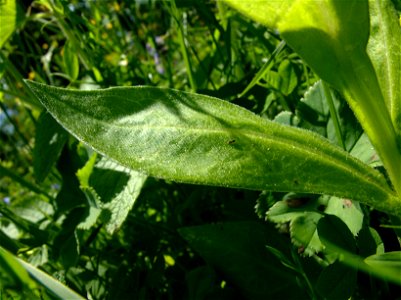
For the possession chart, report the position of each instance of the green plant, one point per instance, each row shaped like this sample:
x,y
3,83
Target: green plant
x,y
198,139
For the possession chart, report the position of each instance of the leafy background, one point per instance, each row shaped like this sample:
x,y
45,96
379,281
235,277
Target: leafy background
x,y
112,233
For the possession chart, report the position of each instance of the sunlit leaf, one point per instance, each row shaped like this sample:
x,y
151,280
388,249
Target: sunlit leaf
x,y
9,18
384,49
198,139
332,41
118,188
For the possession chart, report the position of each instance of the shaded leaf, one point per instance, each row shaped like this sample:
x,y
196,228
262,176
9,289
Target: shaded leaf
x,y
238,251
337,282
348,211
49,141
333,231
118,188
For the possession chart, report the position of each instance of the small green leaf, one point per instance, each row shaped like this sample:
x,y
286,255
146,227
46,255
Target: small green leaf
x,y
304,234
10,16
333,231
118,188
348,211
364,151
71,62
302,216
288,77
186,137
49,141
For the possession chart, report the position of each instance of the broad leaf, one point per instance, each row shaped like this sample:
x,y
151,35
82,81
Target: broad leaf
x,y
199,139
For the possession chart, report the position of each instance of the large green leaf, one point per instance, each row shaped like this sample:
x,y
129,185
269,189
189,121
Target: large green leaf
x,y
199,139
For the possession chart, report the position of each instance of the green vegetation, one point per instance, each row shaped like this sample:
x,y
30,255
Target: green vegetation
x,y
200,150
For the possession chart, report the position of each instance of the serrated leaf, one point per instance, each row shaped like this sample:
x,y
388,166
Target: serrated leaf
x,y
49,141
364,151
333,231
199,139
304,234
93,199
313,104
285,211
348,211
118,188
303,216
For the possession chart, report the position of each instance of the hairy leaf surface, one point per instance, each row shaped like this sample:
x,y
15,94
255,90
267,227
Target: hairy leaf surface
x,y
384,49
199,139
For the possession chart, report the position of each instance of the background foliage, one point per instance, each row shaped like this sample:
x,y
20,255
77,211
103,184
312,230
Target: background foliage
x,y
111,233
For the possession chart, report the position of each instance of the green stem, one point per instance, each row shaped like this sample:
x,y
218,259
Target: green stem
x,y
264,69
183,45
363,94
333,114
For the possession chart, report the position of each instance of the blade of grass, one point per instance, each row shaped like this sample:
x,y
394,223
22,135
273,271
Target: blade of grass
x,y
183,44
333,114
264,69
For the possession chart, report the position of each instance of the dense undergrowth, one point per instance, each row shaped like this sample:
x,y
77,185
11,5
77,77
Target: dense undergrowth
x,y
109,232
